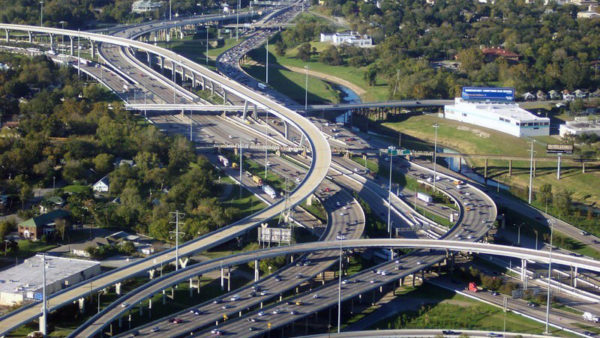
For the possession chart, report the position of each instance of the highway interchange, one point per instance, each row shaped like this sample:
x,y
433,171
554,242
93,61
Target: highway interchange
x,y
472,225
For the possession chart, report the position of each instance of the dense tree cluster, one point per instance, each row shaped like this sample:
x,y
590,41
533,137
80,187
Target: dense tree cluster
x,y
66,133
556,50
88,13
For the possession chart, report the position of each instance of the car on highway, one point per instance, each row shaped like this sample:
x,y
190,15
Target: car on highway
x,y
155,329
235,298
261,313
175,320
450,332
216,332
196,312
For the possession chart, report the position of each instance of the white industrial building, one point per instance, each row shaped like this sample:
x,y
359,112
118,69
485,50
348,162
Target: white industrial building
x,y
24,281
506,117
143,6
348,38
579,127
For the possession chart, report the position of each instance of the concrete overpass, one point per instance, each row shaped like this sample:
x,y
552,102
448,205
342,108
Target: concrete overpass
x,y
321,159
131,299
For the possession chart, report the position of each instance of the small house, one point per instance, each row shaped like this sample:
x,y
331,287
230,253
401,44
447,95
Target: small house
x,y
103,185
35,227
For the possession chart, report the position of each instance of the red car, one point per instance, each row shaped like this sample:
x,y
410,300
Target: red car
x,y
176,320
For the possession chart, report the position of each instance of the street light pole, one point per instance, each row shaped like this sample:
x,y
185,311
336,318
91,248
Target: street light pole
x,y
44,309
170,12
531,173
340,288
549,279
42,13
435,126
391,150
237,26
267,62
266,144
306,89
207,27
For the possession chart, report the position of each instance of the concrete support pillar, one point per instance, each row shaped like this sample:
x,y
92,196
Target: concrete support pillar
x,y
151,273
285,130
575,277
81,302
150,308
558,168
118,289
72,47
7,35
120,322
162,63
583,167
228,279
245,109
413,280
222,279
193,80
509,167
42,321
29,35
93,49
164,297
141,309
173,72
524,273
149,59
203,83
183,262
212,88
183,74
256,270
459,164
51,41
224,96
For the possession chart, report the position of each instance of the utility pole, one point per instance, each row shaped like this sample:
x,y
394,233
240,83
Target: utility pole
x,y
267,63
170,18
191,122
435,126
531,173
78,57
178,216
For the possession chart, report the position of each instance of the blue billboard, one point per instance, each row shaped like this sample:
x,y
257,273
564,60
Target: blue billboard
x,y
496,94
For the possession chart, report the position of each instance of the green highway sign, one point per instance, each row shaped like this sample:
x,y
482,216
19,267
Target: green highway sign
x,y
392,151
405,152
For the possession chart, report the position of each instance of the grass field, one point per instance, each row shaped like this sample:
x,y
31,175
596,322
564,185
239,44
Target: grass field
x,y
379,92
445,309
195,49
477,140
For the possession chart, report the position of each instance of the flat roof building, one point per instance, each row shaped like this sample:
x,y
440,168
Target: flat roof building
x,y
580,127
142,6
348,38
506,117
24,281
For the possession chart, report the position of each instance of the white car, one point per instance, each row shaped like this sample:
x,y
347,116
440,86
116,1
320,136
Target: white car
x,y
235,298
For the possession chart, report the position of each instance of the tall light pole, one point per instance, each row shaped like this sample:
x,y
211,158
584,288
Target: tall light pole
x,y
206,45
237,26
531,173
549,280
170,10
42,13
44,309
241,163
435,126
267,62
306,90
340,287
391,152
266,144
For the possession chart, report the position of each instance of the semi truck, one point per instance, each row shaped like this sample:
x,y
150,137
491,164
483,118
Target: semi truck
x,y
224,161
424,197
267,189
257,180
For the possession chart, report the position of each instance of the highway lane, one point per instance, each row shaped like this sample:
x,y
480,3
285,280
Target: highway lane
x,y
425,333
318,170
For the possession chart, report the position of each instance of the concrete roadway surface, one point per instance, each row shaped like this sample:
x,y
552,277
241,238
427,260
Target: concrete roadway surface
x,y
346,218
319,168
423,333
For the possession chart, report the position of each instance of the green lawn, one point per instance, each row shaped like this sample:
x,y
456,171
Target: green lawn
x,y
248,203
472,139
195,49
379,92
317,210
452,311
293,84
29,248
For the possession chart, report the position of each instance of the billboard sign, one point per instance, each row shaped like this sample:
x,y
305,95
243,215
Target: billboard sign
x,y
275,235
496,94
559,148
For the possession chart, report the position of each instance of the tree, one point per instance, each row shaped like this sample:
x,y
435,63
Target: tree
x,y
103,163
25,193
563,201
371,75
470,59
61,227
331,56
545,195
304,52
